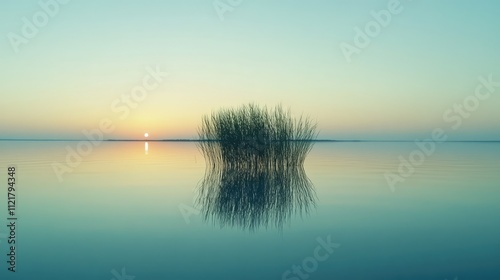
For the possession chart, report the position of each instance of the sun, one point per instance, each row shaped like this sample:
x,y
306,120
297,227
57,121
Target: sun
x,y
146,135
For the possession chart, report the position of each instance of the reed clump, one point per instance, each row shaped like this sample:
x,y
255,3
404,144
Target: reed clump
x,y
255,136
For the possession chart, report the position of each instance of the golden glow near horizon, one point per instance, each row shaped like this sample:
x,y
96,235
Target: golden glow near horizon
x,y
146,135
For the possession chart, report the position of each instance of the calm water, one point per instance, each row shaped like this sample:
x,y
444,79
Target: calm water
x,y
120,208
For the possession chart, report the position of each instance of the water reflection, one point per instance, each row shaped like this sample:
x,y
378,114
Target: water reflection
x,y
146,148
252,196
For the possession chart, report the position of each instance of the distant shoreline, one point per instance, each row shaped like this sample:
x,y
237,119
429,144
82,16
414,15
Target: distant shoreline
x,y
196,140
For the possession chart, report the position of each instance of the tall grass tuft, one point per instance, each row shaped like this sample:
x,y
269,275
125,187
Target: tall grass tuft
x,y
255,136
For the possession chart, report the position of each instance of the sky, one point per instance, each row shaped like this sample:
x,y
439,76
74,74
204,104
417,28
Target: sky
x,y
70,67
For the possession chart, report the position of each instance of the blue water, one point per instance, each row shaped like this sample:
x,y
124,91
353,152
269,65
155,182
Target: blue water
x,y
118,214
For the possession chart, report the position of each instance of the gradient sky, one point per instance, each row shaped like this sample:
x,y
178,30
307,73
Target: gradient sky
x,y
90,53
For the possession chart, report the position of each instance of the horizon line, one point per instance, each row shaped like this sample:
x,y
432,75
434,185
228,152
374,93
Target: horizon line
x,y
198,140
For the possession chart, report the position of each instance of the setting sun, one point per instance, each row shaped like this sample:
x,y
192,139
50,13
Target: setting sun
x,y
146,135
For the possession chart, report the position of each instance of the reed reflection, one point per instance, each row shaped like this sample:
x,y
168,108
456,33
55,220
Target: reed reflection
x,y
254,196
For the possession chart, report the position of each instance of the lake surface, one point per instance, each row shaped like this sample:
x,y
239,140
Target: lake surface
x,y
126,211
